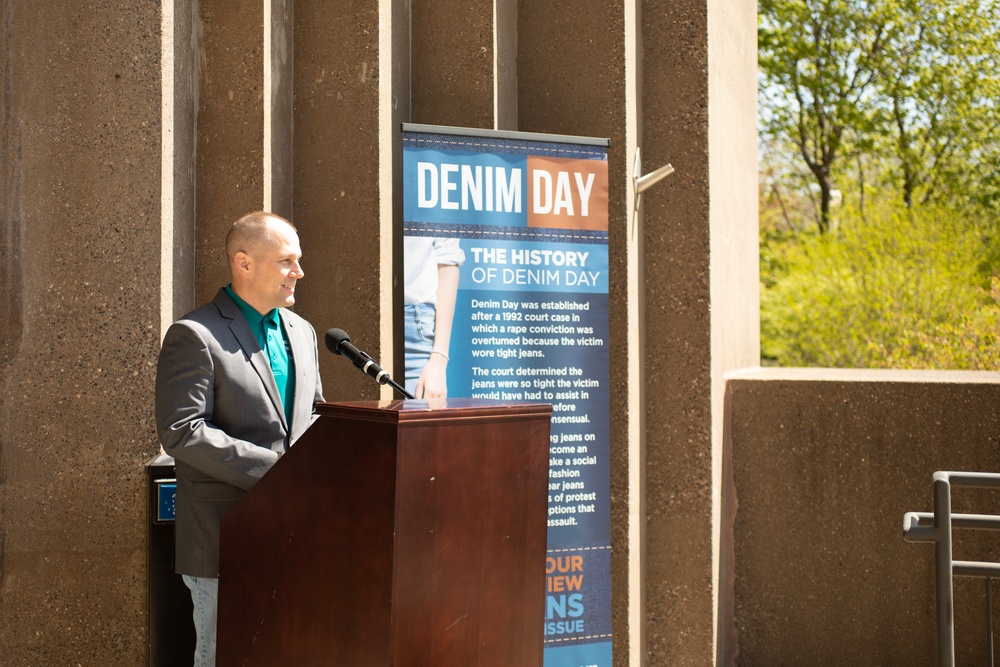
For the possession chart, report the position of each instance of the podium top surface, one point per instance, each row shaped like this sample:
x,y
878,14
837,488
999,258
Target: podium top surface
x,y
413,410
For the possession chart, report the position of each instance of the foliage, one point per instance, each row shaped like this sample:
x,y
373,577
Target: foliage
x,y
939,79
895,288
818,62
896,94
889,107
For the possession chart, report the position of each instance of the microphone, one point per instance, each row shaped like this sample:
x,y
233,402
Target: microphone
x,y
338,342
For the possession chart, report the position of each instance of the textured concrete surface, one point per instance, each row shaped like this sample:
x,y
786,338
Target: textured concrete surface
x,y
230,131
79,187
675,129
337,188
452,63
825,464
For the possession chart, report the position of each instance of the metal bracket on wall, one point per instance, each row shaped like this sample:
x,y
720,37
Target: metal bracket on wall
x,y
642,183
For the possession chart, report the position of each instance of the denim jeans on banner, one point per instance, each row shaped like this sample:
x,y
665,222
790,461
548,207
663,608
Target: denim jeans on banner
x,y
418,331
205,596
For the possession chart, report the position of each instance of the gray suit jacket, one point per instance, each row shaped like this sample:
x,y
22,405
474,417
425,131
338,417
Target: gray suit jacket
x,y
219,415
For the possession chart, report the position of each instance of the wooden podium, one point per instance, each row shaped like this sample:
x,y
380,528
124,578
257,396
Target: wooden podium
x,y
393,533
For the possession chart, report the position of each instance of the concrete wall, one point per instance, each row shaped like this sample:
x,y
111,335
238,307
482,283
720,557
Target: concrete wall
x,y
79,210
558,49
824,465
338,162
698,109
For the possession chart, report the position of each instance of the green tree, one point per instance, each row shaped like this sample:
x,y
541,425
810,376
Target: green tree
x,y
898,93
818,63
939,80
894,105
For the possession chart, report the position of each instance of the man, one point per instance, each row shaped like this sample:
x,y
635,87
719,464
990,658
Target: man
x,y
236,383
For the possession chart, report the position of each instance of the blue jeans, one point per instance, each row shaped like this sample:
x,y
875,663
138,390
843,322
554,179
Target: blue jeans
x,y
418,340
205,596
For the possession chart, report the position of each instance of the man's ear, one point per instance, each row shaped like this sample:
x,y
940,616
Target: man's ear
x,y
241,263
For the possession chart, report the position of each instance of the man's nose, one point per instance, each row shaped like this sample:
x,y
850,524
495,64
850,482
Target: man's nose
x,y
297,270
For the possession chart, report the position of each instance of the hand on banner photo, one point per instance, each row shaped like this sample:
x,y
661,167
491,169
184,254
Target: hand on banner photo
x,y
433,380
431,268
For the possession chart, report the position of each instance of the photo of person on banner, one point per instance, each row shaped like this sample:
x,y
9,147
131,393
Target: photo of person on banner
x,y
430,285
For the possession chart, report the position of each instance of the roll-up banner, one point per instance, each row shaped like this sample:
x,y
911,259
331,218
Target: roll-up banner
x,y
505,250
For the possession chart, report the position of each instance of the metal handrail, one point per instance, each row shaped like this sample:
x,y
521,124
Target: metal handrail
x,y
936,528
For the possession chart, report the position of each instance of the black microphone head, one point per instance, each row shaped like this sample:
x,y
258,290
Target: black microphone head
x,y
334,338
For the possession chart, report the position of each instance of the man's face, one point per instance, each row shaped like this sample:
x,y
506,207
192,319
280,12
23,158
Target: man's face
x,y
273,270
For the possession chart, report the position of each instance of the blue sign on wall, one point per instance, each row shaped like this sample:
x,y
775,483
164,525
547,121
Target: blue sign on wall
x,y
166,500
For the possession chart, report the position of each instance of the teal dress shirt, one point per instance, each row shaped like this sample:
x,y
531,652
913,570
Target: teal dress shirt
x,y
271,337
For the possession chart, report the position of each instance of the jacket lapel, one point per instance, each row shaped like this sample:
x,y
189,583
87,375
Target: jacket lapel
x,y
241,330
301,354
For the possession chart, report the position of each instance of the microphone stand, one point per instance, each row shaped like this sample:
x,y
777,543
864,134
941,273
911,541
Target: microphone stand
x,y
383,378
395,385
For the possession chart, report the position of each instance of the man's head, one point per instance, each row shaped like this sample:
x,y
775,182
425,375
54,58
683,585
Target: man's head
x,y
264,254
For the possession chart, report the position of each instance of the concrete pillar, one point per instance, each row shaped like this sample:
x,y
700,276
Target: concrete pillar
x,y
677,80
242,102
278,106
505,64
351,94
179,95
701,298
230,131
79,209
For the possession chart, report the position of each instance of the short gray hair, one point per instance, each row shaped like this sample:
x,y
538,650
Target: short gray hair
x,y
250,231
